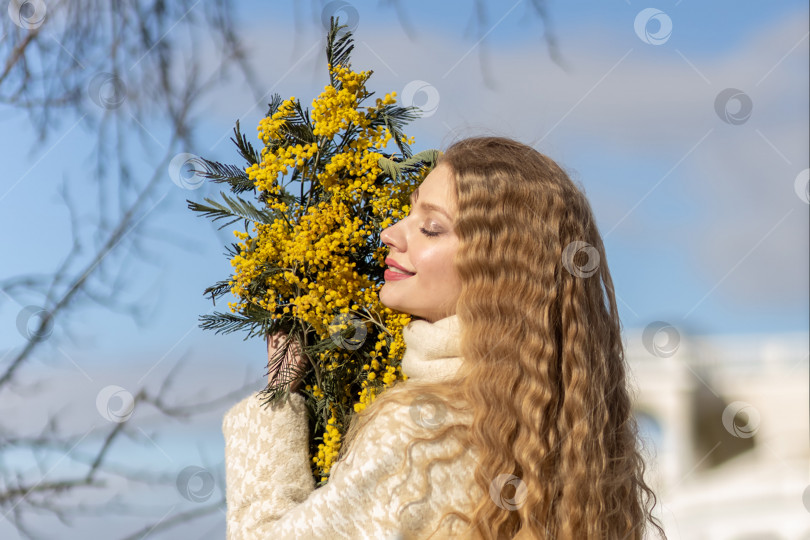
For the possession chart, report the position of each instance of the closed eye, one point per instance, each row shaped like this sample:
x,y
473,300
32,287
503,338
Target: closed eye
x,y
428,233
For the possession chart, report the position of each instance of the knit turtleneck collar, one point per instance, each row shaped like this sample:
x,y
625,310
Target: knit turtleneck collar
x,y
432,350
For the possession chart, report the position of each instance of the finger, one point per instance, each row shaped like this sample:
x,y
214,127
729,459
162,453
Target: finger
x,y
274,365
289,365
276,340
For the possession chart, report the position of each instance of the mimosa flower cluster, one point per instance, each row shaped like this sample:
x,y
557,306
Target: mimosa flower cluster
x,y
309,260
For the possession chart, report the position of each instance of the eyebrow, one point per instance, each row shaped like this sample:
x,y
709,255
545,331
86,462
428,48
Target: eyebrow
x,y
429,206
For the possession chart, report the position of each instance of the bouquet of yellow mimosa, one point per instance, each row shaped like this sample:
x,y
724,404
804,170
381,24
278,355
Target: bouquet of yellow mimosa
x,y
308,262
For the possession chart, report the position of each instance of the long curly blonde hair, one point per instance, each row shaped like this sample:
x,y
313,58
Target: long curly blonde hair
x,y
543,375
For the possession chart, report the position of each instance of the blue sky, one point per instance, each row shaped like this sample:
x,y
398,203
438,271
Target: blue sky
x,y
680,196
702,223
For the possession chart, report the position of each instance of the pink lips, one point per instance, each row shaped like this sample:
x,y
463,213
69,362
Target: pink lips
x,y
390,275
391,262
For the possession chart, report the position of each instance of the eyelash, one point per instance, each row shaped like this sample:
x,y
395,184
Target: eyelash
x,y
427,232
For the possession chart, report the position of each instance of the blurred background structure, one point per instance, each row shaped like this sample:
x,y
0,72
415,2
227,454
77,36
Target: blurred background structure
x,y
725,419
685,124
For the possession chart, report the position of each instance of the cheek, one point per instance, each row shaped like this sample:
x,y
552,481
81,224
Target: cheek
x,y
436,261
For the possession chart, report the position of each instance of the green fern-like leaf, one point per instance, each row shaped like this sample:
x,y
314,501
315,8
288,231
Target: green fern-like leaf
x,y
232,250
217,290
339,47
394,118
298,133
301,118
234,209
275,103
236,177
244,147
389,167
395,169
226,323
255,322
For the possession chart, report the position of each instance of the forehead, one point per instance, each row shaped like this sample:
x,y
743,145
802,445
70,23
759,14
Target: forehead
x,y
436,188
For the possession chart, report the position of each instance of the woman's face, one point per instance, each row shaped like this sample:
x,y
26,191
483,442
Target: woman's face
x,y
425,244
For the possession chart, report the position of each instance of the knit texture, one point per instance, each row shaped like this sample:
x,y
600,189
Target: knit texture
x,y
270,491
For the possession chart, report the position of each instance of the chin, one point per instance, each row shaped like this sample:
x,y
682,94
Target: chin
x,y
395,307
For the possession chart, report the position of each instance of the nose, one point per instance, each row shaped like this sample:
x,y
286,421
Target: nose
x,y
391,236
385,236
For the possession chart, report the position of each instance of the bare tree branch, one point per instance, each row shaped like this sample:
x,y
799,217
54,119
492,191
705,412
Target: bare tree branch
x,y
131,72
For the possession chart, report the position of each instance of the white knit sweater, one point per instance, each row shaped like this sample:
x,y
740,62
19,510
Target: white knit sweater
x,y
270,490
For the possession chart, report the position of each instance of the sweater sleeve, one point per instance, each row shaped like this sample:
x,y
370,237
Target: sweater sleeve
x,y
266,461
270,491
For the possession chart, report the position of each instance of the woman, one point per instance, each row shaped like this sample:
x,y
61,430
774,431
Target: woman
x,y
515,420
